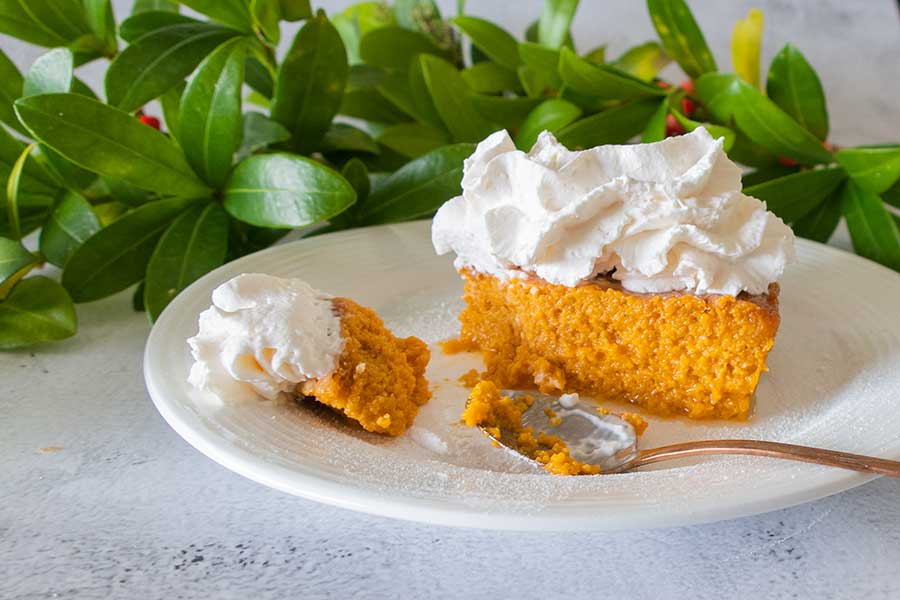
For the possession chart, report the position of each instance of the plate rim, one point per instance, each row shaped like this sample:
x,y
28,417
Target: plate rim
x,y
380,502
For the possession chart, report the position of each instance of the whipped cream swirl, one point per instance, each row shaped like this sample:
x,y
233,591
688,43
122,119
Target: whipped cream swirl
x,y
262,336
666,216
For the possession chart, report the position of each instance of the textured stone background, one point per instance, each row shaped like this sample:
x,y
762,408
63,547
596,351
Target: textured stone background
x,y
126,509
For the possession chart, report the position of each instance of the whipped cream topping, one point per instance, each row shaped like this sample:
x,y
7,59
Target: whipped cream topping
x,y
667,216
262,336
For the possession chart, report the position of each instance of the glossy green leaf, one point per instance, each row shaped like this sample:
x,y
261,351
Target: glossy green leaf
x,y
99,14
34,180
796,195
66,172
159,60
553,26
295,10
602,81
283,190
70,224
139,25
508,113
369,105
357,175
233,13
746,40
12,192
613,126
394,47
717,131
311,83
892,195
413,139
425,111
37,310
266,16
343,137
47,23
769,126
259,78
872,169
110,142
494,41
655,130
820,223
141,6
872,229
544,62
644,61
359,19
450,96
171,109
51,73
11,83
15,261
550,115
794,86
192,246
395,88
116,257
720,94
681,37
766,174
418,188
490,78
260,132
597,55
210,112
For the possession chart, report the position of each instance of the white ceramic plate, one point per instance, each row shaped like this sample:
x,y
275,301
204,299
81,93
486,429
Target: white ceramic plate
x,y
834,382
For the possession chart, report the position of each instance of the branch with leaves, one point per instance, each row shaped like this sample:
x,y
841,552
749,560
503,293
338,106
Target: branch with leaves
x,y
365,120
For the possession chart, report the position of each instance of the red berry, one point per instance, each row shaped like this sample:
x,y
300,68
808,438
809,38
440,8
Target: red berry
x,y
687,106
688,86
151,121
828,146
787,162
663,84
673,127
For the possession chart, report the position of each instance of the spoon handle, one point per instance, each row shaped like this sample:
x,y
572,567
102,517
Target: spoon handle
x,y
831,458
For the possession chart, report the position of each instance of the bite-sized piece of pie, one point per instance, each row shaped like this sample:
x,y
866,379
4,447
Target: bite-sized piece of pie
x,y
638,273
269,337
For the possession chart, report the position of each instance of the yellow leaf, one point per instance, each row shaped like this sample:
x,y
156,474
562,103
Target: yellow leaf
x,y
746,40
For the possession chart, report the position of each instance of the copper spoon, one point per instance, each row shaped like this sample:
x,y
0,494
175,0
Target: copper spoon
x,y
611,443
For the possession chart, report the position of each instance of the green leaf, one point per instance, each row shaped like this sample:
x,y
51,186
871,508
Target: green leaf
x,y
266,19
137,298
746,39
644,61
720,94
11,83
394,47
343,137
602,81
794,86
508,113
171,109
259,78
110,142
369,105
544,62
597,55
494,41
553,27
820,223
419,187
100,17
533,84
412,139
717,131
37,310
45,23
260,132
12,192
135,27
796,195
417,15
420,94
70,224
283,190
655,130
766,174
234,13
872,169
359,19
769,126
490,78
873,232
681,37
159,60
67,173
550,115
141,6
123,193
116,257
449,93
15,262
34,180
192,246
892,195
51,73
210,112
613,126
295,10
311,82
357,175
